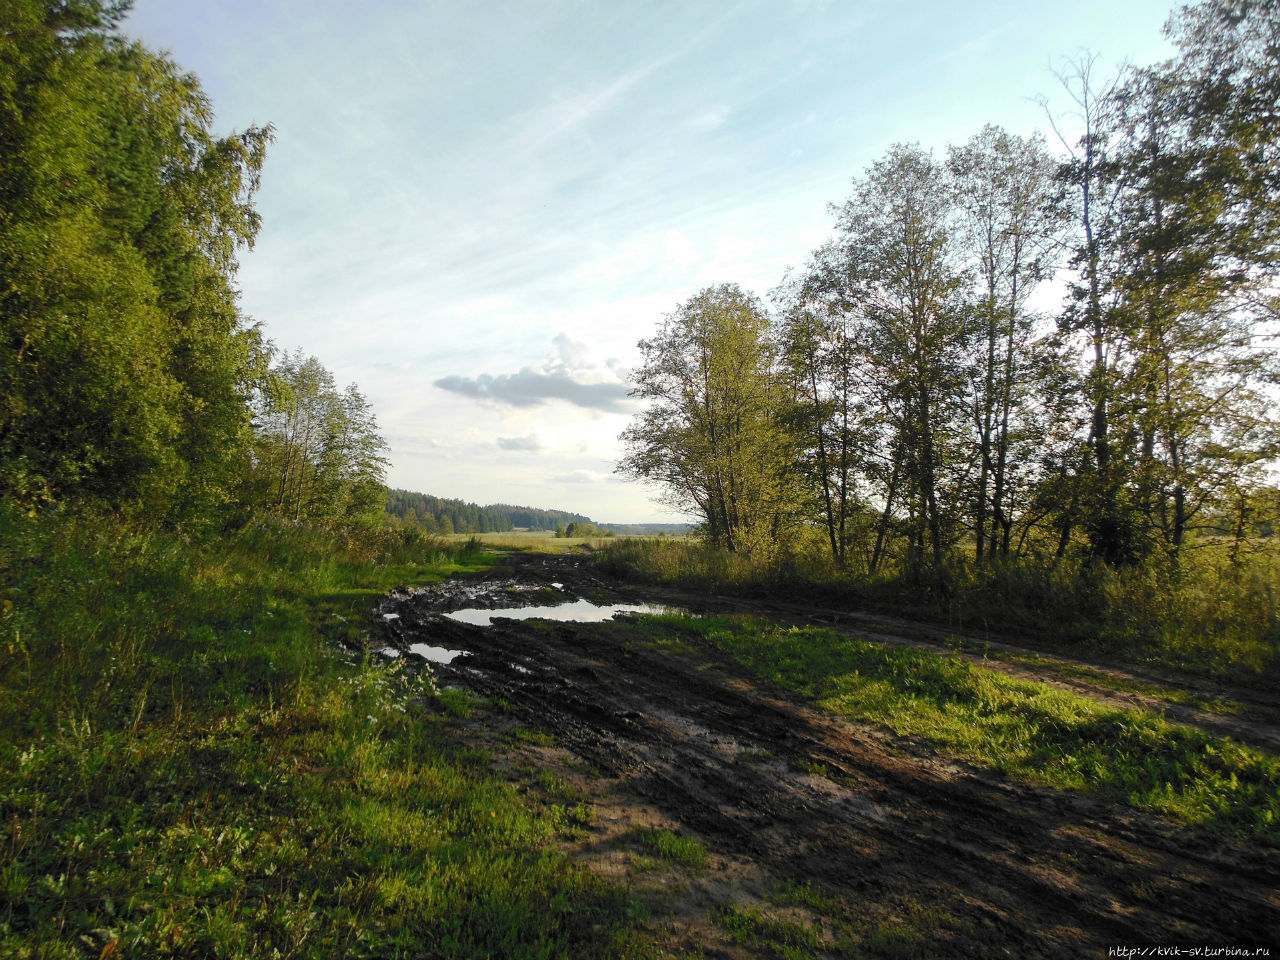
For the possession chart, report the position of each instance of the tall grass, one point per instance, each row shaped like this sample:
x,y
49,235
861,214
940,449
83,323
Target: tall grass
x,y
190,765
1207,615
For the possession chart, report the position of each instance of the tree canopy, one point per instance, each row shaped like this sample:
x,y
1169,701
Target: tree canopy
x,y
906,401
127,364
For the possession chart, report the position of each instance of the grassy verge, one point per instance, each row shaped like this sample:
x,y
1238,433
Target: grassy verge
x,y
1209,617
535,541
190,765
1121,684
1026,730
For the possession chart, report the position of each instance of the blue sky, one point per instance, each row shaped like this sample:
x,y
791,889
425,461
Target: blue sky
x,y
475,210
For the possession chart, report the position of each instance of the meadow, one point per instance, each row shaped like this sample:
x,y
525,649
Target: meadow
x,y
197,759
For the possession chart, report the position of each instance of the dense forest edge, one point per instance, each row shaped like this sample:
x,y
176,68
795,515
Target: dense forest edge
x,y
912,420
199,756
446,516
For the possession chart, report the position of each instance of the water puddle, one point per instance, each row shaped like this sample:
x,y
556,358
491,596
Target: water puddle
x,y
579,611
434,654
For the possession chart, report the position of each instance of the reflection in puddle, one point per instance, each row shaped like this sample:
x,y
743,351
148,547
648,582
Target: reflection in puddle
x,y
391,652
434,654
581,611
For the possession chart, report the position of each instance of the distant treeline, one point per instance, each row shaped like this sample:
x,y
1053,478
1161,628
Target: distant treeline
x,y
440,515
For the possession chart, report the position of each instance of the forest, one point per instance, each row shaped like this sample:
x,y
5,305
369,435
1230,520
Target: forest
x,y
445,516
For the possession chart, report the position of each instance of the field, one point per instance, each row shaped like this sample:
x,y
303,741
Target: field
x,y
539,541
198,759
543,541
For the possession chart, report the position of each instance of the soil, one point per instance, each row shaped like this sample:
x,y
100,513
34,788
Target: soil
x,y
826,837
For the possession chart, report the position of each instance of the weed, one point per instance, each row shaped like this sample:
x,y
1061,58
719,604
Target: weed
x,y
536,737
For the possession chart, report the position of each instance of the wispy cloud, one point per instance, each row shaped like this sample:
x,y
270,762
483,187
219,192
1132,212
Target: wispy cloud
x,y
551,122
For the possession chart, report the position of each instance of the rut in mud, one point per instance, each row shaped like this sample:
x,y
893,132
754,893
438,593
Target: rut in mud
x,y
782,793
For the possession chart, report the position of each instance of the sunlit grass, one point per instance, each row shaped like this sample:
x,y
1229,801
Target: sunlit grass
x,y
671,846
534,541
1023,729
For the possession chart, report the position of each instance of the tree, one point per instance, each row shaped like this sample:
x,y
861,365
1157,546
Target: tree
x,y
1229,94
1009,219
711,438
1092,174
1176,268
319,455
901,281
125,364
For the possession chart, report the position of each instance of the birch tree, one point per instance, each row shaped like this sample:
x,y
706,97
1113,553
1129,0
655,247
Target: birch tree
x,y
711,438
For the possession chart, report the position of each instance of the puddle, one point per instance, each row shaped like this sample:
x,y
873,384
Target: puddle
x,y
580,611
391,616
434,654
391,652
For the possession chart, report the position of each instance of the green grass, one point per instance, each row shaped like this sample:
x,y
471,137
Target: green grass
x,y
192,765
1118,684
764,930
671,847
1023,729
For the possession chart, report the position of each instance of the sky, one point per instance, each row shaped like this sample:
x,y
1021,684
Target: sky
x,y
474,211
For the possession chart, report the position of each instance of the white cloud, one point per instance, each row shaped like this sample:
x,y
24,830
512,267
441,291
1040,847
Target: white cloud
x,y
529,443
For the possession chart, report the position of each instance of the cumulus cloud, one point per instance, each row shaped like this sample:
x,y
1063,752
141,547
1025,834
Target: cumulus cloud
x,y
567,375
529,442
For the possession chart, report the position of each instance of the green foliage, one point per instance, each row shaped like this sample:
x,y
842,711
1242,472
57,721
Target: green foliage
x,y
317,453
712,440
582,530
190,766
124,360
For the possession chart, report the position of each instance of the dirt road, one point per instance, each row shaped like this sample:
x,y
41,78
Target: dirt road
x,y
827,838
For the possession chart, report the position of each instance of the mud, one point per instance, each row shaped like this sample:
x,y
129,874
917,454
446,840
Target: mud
x,y
908,853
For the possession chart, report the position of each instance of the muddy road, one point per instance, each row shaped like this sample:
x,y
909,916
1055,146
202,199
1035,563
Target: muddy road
x,y
882,847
